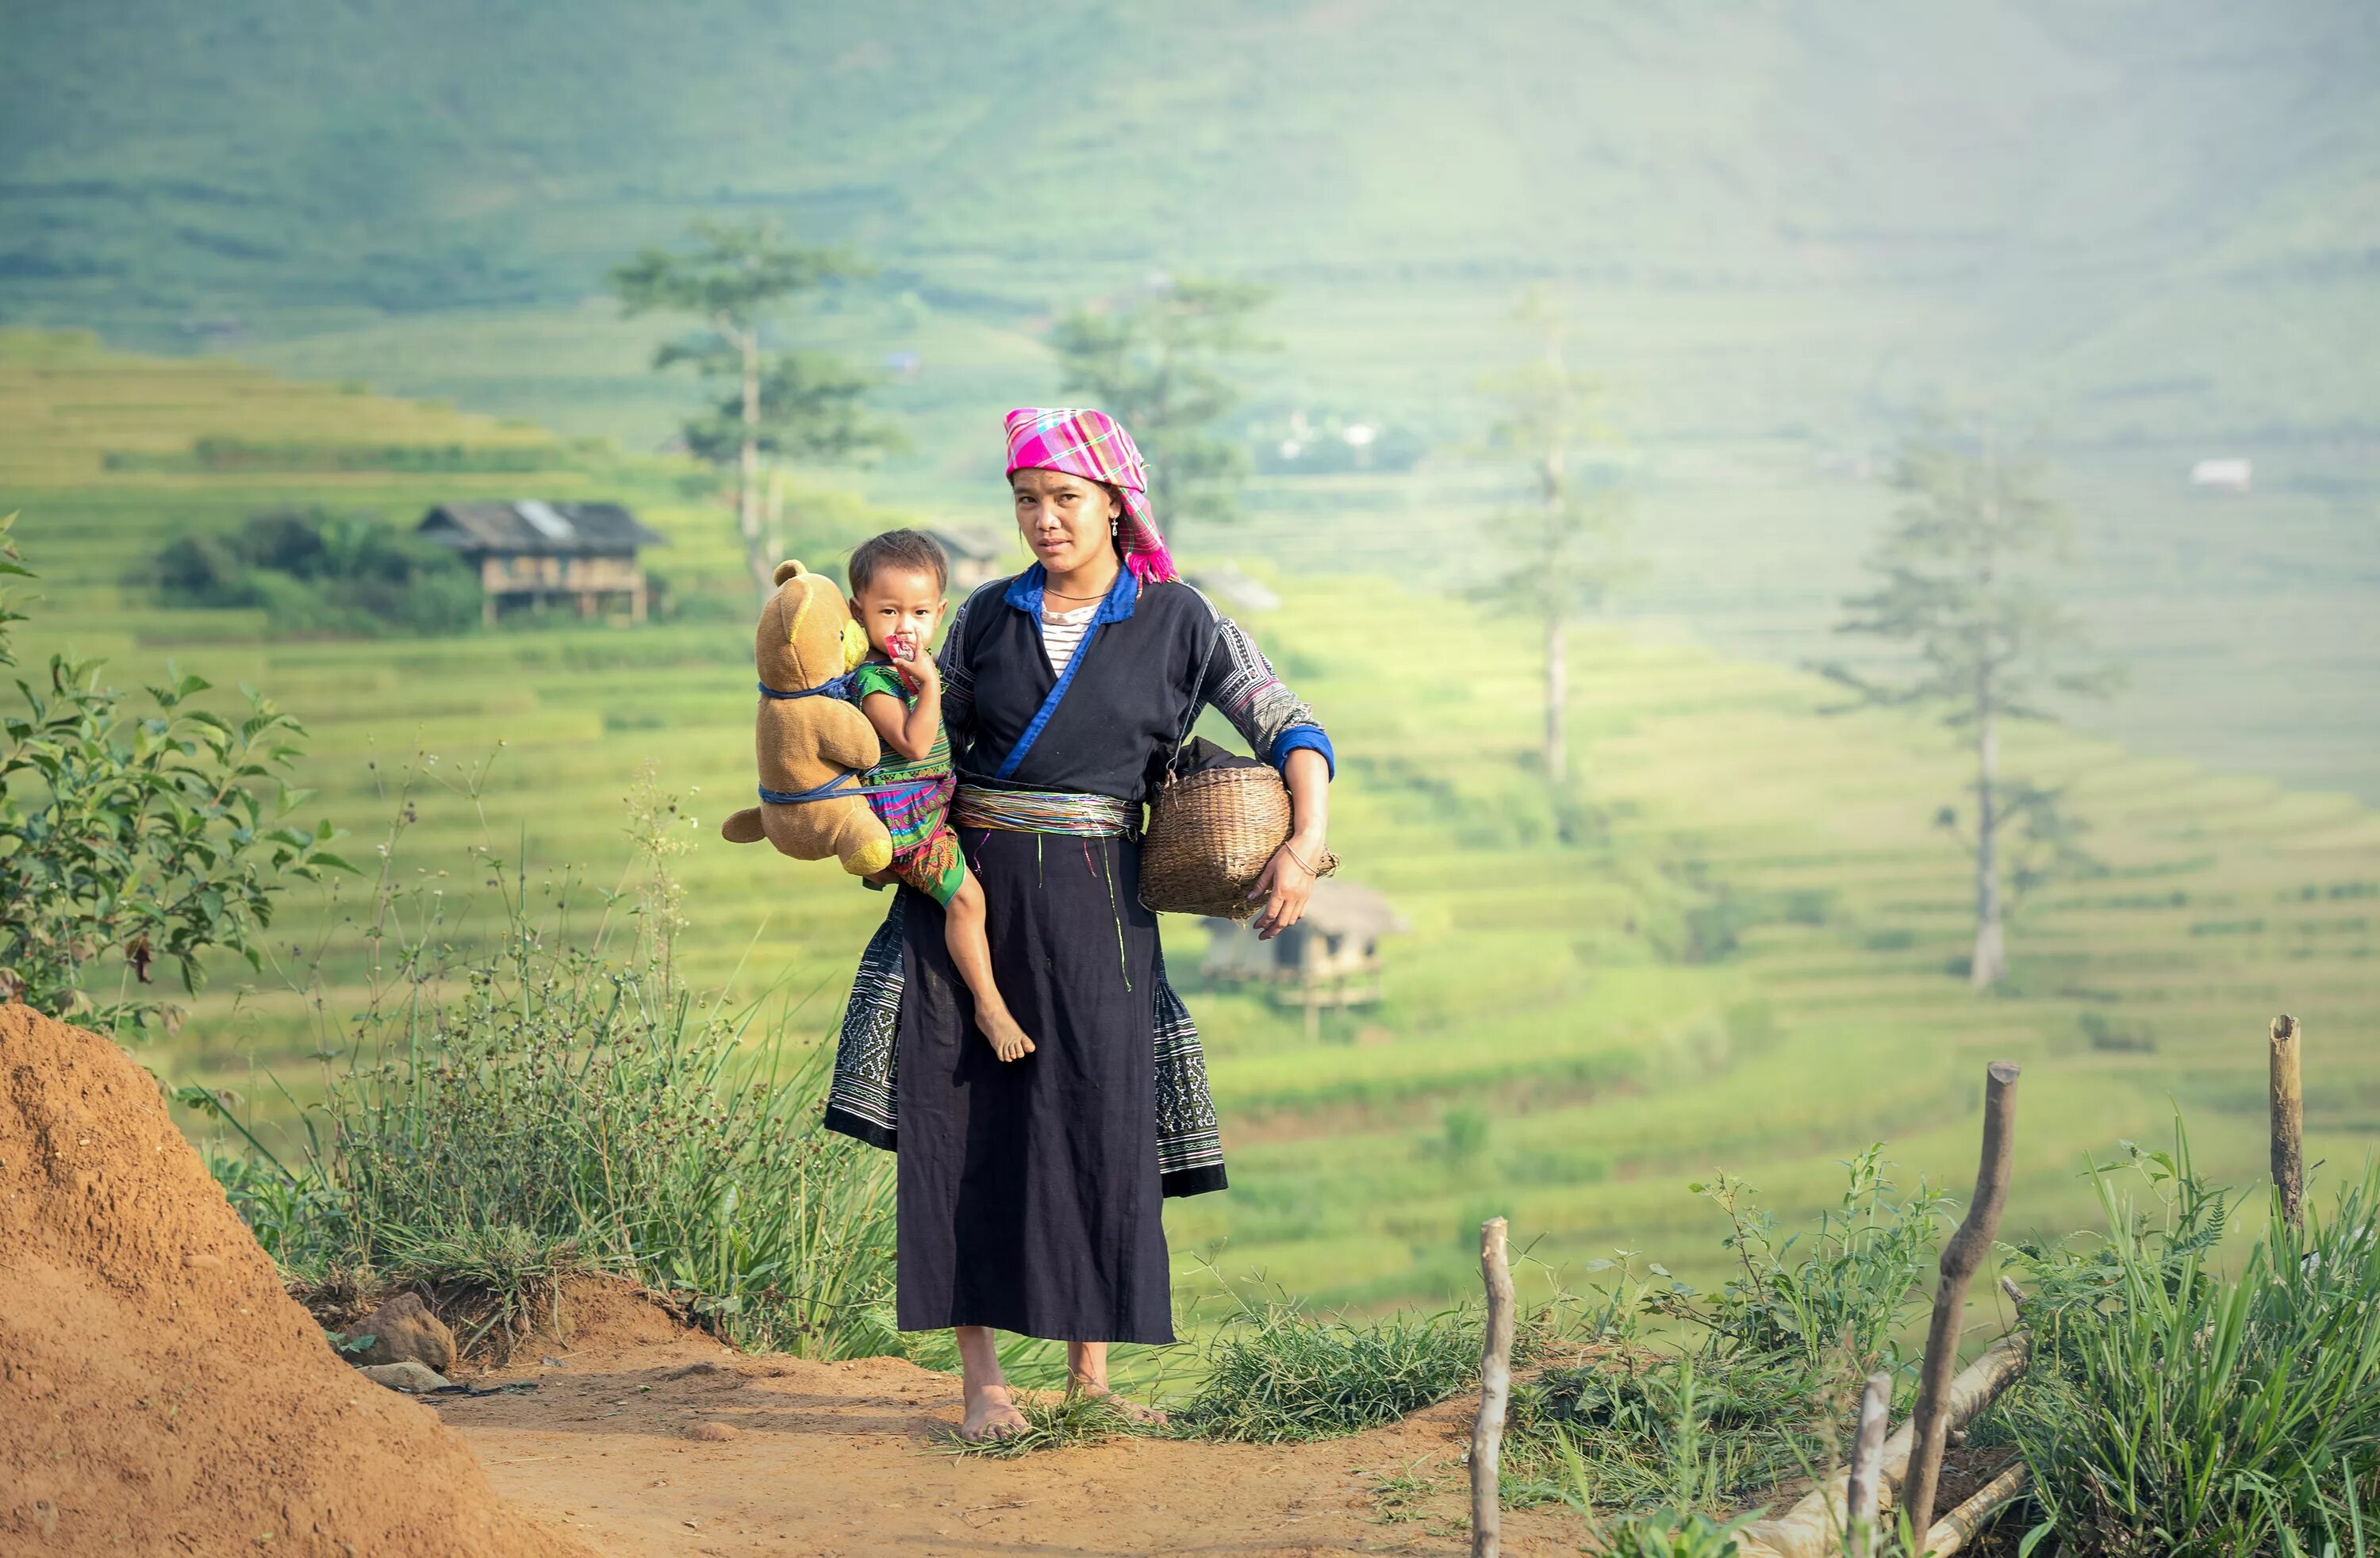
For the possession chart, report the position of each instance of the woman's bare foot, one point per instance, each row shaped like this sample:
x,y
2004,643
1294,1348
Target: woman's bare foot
x,y
990,1413
1008,1040
1131,1411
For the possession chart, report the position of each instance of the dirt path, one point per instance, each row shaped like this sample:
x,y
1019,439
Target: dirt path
x,y
846,1460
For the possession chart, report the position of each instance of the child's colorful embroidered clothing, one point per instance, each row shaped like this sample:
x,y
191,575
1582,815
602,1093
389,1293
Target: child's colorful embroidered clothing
x,y
925,850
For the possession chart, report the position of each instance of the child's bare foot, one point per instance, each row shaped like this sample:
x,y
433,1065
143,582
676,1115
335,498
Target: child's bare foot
x,y
1008,1040
990,1413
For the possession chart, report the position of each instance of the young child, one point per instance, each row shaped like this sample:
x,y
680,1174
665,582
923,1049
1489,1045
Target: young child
x,y
897,580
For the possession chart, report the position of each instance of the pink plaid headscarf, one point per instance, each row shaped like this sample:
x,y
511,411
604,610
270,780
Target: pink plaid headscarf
x,y
1095,446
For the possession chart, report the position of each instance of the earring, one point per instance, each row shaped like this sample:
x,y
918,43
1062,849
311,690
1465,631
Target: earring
x,y
1115,527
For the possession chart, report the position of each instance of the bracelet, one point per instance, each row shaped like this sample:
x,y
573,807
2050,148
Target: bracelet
x,y
1299,858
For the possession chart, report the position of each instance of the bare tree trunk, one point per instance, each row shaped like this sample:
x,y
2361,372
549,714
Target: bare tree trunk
x,y
1557,695
1989,964
1165,498
1552,482
747,475
772,545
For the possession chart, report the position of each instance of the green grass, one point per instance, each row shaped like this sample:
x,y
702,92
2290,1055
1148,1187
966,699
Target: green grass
x,y
1553,988
1272,1374
2222,1407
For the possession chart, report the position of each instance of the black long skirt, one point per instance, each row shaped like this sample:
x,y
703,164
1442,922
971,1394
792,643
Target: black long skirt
x,y
1029,1196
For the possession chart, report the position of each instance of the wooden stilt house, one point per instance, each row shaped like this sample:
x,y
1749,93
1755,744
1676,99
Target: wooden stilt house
x,y
977,556
529,551
1330,960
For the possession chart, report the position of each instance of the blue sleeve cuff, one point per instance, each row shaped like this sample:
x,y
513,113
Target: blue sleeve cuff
x,y
1309,738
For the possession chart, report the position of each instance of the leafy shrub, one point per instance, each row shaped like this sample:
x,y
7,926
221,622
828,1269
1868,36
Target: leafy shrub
x,y
142,839
313,572
2173,1409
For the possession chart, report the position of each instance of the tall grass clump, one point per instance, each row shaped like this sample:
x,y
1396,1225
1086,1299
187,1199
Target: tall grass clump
x,y
1276,1374
1272,1372
556,1101
2174,1410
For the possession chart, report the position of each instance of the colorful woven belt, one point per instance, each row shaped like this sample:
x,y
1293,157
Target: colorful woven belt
x,y
1044,812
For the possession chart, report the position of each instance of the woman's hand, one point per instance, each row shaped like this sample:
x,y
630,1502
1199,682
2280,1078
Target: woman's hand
x,y
1284,887
1288,879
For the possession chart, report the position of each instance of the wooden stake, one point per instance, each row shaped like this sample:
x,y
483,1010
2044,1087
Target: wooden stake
x,y
2289,1120
1495,1393
1961,1258
1860,1496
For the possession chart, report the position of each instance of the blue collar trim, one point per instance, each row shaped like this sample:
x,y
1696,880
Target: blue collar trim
x,y
1027,589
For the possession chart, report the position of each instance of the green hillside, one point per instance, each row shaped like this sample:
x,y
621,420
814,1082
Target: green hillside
x,y
1732,942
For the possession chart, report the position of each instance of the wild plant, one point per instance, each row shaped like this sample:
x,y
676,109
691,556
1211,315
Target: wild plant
x,y
557,1099
1760,1385
1841,1294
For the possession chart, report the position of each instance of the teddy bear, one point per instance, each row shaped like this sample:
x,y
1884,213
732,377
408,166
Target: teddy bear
x,y
808,739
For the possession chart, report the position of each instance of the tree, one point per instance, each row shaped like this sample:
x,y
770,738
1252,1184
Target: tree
x,y
154,839
1562,552
1952,585
797,404
1154,366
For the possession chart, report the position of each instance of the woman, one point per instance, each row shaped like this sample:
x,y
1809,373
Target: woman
x,y
1030,1191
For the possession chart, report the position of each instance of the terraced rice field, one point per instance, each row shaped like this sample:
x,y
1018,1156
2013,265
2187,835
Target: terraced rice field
x,y
1733,940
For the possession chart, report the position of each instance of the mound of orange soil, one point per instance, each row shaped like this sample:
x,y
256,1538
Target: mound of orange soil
x,y
159,1392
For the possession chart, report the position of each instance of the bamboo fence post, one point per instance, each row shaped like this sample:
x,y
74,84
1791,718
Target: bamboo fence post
x,y
1961,1258
2289,1119
1495,1393
1860,1495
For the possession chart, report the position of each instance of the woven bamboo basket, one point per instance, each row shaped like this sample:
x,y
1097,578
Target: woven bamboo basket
x,y
1209,835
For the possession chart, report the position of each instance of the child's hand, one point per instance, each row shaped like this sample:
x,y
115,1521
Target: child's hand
x,y
919,672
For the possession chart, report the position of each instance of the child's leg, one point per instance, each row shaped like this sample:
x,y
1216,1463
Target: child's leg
x,y
962,932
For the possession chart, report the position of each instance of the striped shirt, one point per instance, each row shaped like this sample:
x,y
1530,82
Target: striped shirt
x,y
1062,633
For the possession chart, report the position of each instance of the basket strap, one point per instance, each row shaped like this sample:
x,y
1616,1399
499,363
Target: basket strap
x,y
1198,699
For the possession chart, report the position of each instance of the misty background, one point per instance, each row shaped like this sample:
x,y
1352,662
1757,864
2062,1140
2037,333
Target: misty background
x,y
2147,235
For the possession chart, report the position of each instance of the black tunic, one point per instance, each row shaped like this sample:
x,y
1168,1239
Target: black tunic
x,y
1029,1195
